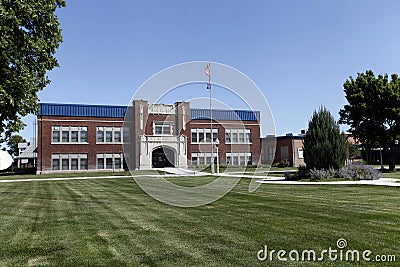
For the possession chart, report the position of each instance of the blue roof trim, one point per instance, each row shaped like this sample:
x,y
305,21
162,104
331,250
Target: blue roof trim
x,y
79,110
224,115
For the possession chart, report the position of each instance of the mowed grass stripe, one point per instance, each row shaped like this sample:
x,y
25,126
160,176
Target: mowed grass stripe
x,y
112,222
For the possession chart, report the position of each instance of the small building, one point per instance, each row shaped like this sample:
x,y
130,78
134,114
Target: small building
x,y
285,150
27,154
93,137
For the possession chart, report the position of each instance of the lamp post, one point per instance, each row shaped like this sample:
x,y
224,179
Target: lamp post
x,y
208,74
217,144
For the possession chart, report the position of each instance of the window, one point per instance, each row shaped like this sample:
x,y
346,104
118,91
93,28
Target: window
x,y
56,164
300,152
69,162
84,164
117,136
202,158
74,136
100,163
162,128
109,135
74,164
65,164
56,135
203,135
239,158
194,137
69,134
84,136
117,163
65,136
100,136
237,136
109,161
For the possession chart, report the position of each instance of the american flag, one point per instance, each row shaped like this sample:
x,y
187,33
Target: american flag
x,y
208,70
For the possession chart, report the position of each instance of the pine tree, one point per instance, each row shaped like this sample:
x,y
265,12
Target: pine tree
x,y
324,145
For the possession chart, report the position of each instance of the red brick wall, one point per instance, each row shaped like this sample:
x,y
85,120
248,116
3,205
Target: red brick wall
x,y
46,149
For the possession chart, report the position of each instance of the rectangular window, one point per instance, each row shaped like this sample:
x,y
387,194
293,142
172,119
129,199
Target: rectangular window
x,y
84,164
117,136
162,128
65,136
109,136
241,137
300,152
84,136
208,137
248,137
56,164
227,137
235,160
235,138
228,160
74,164
100,136
65,164
100,163
203,135
194,137
56,136
74,136
271,153
201,138
109,163
117,163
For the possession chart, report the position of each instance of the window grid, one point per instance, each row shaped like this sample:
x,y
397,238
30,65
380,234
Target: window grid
x,y
69,162
69,134
109,161
203,135
237,136
202,158
239,158
108,135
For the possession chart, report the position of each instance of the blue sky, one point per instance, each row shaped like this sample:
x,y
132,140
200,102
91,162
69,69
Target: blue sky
x,y
299,53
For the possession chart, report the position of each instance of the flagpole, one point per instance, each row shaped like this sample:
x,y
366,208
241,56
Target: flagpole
x,y
211,121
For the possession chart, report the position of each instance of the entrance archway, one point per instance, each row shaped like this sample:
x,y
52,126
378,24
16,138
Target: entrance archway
x,y
163,157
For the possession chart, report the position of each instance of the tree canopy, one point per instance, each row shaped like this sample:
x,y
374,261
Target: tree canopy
x,y
324,145
29,37
13,142
373,110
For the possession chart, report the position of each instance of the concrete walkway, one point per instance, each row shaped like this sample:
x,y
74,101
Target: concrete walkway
x,y
381,181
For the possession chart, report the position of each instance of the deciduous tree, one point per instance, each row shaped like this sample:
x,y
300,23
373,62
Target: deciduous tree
x,y
373,110
29,37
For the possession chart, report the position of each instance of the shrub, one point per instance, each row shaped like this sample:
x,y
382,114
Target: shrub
x,y
358,171
320,174
324,145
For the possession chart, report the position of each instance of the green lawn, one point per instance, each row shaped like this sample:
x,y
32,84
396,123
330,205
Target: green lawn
x,y
112,222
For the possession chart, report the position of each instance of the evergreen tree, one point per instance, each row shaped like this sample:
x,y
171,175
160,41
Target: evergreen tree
x,y
324,145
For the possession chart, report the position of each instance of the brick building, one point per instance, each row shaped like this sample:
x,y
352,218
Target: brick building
x,y
96,137
286,149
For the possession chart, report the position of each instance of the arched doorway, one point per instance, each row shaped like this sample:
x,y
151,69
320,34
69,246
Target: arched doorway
x,y
163,157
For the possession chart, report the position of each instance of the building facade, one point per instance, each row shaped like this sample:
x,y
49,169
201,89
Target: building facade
x,y
286,150
143,136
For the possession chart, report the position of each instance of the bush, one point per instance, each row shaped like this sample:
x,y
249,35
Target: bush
x,y
320,174
324,145
358,171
